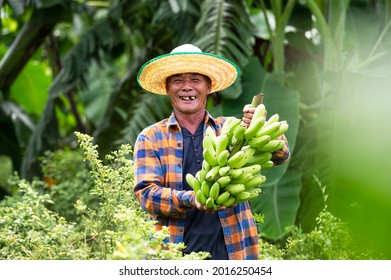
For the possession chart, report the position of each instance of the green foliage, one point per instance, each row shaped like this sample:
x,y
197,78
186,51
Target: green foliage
x,y
85,209
330,240
68,180
110,223
5,172
29,231
30,87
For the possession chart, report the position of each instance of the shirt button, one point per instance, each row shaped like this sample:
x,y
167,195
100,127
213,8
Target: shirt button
x,y
193,137
179,145
180,229
195,150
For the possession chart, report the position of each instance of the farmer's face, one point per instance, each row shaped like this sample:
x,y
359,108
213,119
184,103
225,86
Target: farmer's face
x,y
188,92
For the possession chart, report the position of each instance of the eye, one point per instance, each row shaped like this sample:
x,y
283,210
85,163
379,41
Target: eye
x,y
177,81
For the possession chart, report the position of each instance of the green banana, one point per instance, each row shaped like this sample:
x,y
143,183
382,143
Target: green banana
x,y
235,173
200,197
283,128
229,125
250,151
212,134
214,190
236,160
206,166
205,188
255,181
197,185
241,157
210,158
259,112
239,131
193,182
210,202
209,144
242,179
222,158
223,181
243,161
234,188
229,201
224,171
254,192
272,146
222,198
212,173
237,201
274,118
252,169
221,143
190,179
267,165
254,127
259,158
201,174
243,196
257,142
269,129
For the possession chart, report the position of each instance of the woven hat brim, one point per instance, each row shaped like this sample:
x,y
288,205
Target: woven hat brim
x,y
153,74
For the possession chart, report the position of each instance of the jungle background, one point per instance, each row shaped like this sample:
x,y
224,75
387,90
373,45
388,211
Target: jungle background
x,y
71,108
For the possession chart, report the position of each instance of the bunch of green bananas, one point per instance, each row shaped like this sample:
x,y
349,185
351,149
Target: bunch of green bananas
x,y
233,160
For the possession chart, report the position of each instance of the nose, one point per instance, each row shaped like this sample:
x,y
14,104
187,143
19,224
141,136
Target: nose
x,y
187,84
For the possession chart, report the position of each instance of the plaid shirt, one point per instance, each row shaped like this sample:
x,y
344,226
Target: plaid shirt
x,y
158,155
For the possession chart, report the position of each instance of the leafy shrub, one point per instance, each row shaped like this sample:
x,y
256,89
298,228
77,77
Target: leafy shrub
x,y
67,179
28,230
110,222
330,240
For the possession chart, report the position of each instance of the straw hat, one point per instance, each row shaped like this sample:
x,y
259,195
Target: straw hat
x,y
187,59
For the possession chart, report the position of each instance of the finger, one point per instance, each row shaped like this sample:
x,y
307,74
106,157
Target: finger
x,y
248,115
245,121
247,108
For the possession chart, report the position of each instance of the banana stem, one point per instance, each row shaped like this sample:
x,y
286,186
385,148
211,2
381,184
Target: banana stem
x,y
257,99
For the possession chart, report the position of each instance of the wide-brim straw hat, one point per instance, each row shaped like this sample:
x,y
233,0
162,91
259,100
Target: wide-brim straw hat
x,y
187,59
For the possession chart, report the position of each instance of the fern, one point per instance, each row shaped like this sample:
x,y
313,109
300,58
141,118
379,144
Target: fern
x,y
149,109
224,29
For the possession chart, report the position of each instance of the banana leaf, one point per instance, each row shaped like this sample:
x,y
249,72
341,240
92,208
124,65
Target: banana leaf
x,y
281,192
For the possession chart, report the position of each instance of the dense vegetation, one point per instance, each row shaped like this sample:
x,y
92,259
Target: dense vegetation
x,y
85,209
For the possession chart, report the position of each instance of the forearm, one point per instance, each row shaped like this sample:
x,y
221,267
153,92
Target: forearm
x,y
163,201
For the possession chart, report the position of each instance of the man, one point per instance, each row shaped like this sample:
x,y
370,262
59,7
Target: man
x,y
166,151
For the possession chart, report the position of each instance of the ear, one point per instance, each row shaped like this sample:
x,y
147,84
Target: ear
x,y
208,86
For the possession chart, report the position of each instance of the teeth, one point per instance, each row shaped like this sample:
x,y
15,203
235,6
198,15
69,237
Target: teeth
x,y
188,97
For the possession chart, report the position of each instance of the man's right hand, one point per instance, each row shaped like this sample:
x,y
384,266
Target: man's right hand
x,y
248,113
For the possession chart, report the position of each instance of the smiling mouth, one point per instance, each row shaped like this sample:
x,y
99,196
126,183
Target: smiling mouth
x,y
188,98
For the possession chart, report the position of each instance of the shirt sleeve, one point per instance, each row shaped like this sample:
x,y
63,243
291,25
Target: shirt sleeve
x,y
282,155
153,194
